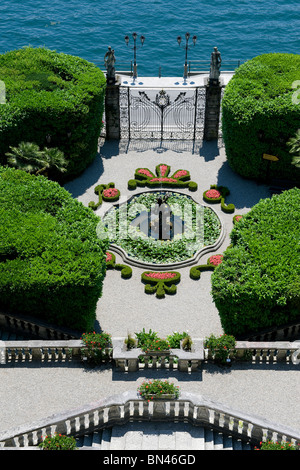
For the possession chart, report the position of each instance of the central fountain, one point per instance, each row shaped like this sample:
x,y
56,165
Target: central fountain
x,y
159,223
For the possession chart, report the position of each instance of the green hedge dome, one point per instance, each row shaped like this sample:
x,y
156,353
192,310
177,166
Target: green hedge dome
x,y
52,264
259,116
257,285
50,93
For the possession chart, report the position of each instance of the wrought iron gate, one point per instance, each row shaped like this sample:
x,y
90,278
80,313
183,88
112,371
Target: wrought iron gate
x,y
162,113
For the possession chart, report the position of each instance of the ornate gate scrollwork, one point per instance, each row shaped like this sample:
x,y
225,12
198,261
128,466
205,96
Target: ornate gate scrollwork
x,y
162,115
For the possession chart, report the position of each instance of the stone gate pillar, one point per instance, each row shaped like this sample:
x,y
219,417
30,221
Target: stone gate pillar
x,y
213,98
112,105
112,111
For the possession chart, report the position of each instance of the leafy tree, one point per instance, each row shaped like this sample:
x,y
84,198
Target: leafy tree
x,y
27,156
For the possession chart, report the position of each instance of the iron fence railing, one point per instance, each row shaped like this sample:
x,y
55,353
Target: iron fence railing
x,y
204,65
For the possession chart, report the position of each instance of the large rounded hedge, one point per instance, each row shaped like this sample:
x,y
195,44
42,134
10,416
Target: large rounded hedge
x,y
52,264
257,285
259,116
50,93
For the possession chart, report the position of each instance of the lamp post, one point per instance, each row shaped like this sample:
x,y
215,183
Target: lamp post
x,y
186,47
142,38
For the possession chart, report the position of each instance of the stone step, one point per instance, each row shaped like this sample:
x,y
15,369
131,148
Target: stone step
x,y
160,436
10,336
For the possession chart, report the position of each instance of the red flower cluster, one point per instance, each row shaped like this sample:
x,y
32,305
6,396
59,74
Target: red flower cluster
x,y
110,192
170,180
180,173
108,256
216,260
163,169
160,275
143,171
238,217
213,194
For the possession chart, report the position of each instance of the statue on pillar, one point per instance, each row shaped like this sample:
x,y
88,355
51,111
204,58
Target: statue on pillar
x,y
109,62
215,65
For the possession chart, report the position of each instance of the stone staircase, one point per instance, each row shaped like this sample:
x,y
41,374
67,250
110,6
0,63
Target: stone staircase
x,y
10,336
160,436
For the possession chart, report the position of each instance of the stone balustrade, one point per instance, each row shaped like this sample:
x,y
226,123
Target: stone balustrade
x,y
46,351
129,406
175,359
34,328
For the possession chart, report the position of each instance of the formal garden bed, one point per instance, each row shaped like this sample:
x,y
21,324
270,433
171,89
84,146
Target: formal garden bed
x,y
217,194
161,283
162,177
202,228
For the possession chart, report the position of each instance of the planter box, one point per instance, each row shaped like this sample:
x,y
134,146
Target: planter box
x,y
161,397
129,361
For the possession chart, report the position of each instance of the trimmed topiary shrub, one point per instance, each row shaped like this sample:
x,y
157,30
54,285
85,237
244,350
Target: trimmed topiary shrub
x,y
257,285
105,192
56,95
217,194
52,264
160,283
259,116
126,271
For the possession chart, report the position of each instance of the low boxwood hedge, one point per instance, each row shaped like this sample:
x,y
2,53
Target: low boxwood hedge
x,y
52,264
257,285
56,94
259,116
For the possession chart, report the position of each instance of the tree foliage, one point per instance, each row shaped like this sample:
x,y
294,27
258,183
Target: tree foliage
x,y
52,264
259,116
52,94
257,285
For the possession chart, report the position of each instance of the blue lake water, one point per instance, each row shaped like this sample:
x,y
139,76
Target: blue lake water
x,y
241,29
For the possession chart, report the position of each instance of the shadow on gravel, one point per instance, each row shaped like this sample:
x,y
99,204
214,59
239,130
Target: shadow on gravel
x,y
244,193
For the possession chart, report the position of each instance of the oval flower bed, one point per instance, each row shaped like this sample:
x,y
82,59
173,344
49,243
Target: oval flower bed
x,y
110,194
142,247
158,389
105,192
218,194
213,194
215,260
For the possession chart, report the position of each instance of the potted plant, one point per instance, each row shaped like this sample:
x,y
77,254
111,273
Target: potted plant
x,y
97,347
220,347
159,345
158,390
58,442
130,342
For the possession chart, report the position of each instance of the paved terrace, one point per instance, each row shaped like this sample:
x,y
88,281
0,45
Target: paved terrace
x,y
32,392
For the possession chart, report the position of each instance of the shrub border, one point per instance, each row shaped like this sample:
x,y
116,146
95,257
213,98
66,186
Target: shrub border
x,y
126,271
